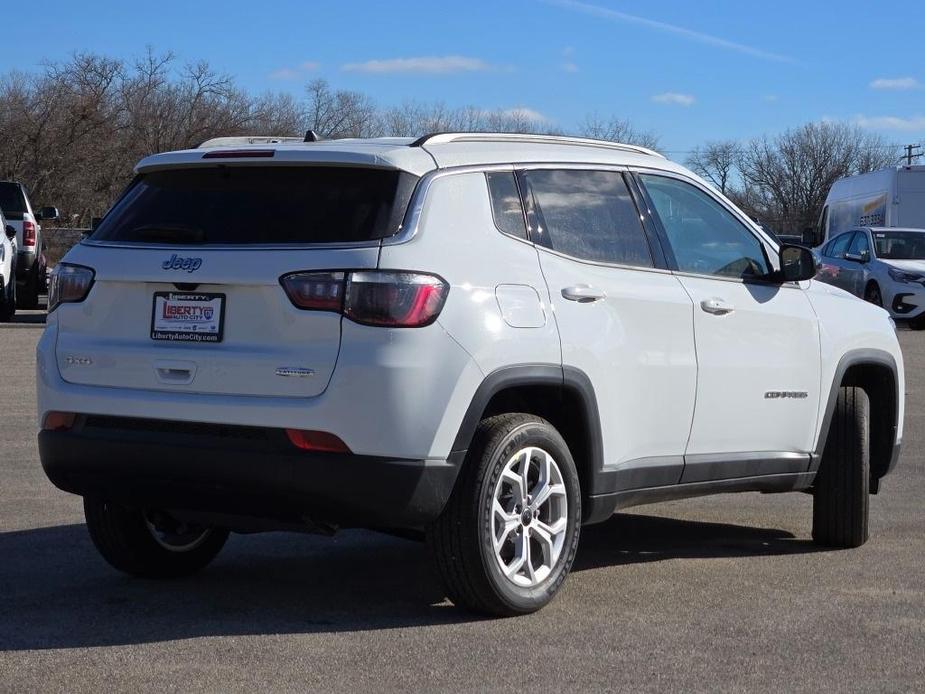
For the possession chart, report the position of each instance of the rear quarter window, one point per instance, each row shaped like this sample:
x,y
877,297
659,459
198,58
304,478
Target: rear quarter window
x,y
259,205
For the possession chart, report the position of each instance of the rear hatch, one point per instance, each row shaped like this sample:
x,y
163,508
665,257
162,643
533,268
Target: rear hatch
x,y
187,296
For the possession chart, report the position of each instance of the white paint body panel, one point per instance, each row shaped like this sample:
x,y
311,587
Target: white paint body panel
x,y
768,342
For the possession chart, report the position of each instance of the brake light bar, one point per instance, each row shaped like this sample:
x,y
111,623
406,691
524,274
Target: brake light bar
x,y
387,298
240,154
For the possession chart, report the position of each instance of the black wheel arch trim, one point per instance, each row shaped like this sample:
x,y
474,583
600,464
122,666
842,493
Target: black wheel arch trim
x,y
567,378
891,449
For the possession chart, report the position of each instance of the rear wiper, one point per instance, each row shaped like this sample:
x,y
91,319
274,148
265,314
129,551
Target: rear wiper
x,y
171,233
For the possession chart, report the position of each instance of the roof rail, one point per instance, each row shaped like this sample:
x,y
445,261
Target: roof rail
x,y
247,140
527,138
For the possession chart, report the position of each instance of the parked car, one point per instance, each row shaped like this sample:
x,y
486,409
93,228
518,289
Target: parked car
x,y
893,197
7,271
883,266
31,275
485,340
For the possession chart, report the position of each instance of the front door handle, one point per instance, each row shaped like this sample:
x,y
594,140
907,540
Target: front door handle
x,y
582,293
716,306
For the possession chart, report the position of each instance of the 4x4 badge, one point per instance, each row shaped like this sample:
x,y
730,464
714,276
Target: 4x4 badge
x,y
175,262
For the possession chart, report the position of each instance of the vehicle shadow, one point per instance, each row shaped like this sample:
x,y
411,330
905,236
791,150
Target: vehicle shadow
x,y
56,592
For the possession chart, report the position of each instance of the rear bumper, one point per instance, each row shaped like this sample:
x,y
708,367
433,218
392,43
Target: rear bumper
x,y
243,471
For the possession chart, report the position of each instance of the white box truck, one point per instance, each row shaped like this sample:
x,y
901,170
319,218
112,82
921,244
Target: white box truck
x,y
893,197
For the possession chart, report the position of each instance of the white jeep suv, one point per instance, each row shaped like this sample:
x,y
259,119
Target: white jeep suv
x,y
485,340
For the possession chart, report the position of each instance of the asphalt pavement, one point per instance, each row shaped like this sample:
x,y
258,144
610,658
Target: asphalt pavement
x,y
724,593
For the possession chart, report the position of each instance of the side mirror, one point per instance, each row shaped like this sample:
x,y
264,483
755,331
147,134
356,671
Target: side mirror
x,y
10,232
808,237
861,257
49,213
796,264
95,222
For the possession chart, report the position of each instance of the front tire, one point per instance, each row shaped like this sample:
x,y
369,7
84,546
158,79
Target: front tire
x,y
872,294
841,497
150,545
507,538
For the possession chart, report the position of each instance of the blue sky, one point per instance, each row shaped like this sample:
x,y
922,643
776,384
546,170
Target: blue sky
x,y
689,71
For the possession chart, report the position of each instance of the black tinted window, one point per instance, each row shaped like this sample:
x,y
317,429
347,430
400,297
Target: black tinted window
x,y
242,205
506,206
590,215
705,237
12,201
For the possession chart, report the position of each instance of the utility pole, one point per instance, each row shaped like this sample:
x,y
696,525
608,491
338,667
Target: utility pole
x,y
911,153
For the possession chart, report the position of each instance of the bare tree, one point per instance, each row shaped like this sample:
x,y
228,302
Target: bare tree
x,y
716,162
788,177
616,130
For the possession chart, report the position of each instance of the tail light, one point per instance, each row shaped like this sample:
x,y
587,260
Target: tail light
x,y
28,233
383,298
69,284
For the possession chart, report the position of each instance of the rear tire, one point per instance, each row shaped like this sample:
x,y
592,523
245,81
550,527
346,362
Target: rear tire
x,y
129,540
29,296
841,497
7,300
504,547
872,294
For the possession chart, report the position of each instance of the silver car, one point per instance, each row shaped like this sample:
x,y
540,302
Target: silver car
x,y
885,266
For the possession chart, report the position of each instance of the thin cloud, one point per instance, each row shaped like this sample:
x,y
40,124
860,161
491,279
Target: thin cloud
x,y
690,34
427,65
294,73
896,83
524,113
770,98
910,124
675,99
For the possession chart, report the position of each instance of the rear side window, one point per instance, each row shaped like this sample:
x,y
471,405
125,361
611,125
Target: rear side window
x,y
589,215
12,201
258,205
506,206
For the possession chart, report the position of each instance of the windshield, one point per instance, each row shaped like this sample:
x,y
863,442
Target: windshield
x,y
259,205
900,245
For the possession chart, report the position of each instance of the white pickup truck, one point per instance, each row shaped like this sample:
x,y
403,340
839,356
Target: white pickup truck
x,y
30,264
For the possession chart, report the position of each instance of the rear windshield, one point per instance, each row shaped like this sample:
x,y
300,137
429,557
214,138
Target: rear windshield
x,y
12,201
259,204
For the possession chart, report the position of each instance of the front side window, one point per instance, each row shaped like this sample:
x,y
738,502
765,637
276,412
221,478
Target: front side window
x,y
839,246
589,215
705,237
859,245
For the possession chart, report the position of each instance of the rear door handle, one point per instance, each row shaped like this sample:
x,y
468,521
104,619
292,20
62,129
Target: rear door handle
x,y
717,306
582,293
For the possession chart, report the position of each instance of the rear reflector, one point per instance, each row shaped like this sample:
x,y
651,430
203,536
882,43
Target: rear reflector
x,y
320,441
240,154
59,421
